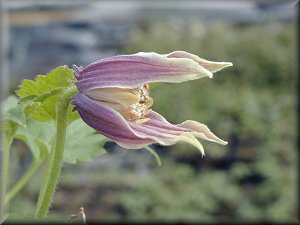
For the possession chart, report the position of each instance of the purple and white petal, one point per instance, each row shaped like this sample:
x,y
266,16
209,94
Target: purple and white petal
x,y
164,137
131,135
108,122
131,71
197,129
111,123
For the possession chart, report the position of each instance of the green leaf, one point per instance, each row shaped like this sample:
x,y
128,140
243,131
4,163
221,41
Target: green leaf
x,y
13,117
45,91
82,143
12,111
38,136
16,125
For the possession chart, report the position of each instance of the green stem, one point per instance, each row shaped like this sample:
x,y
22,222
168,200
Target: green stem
x,y
21,183
46,179
4,173
55,160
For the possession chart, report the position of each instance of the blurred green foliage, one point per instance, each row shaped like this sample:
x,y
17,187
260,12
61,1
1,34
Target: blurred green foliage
x,y
251,105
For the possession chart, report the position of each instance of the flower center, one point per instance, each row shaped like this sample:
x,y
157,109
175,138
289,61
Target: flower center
x,y
138,110
132,104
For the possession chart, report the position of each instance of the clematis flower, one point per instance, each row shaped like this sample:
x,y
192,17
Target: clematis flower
x,y
114,97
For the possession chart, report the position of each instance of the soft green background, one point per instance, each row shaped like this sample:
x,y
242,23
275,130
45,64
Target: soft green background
x,y
251,105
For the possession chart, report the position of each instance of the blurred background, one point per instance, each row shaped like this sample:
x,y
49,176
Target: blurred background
x,y
251,105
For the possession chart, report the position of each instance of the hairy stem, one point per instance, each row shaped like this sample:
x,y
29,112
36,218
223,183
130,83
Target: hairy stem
x,y
55,160
46,179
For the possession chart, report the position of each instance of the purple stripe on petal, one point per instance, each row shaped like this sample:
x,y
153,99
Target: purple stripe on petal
x,y
167,137
131,81
149,131
157,120
155,134
132,70
138,60
100,112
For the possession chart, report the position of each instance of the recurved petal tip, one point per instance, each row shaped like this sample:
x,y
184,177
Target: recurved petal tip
x,y
217,66
202,131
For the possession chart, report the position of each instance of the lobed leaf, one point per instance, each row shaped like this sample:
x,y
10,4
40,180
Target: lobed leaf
x,y
82,143
38,136
45,91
